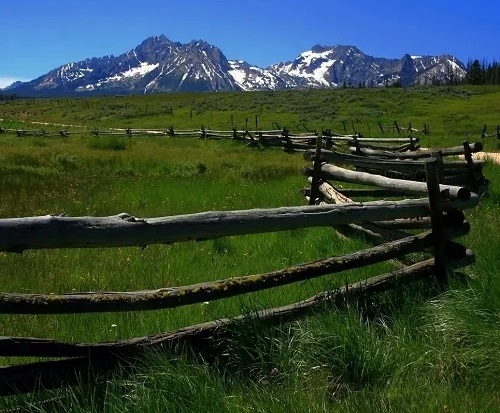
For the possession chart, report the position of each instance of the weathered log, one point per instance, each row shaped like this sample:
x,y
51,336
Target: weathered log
x,y
405,186
349,138
378,235
362,192
458,150
416,175
339,158
370,193
371,229
451,221
405,224
12,303
213,330
19,234
390,148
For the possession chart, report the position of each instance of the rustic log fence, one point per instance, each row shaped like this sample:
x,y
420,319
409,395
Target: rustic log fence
x,y
272,137
392,167
380,129
401,174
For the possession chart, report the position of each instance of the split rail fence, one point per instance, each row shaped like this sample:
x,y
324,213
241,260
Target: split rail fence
x,y
264,137
433,199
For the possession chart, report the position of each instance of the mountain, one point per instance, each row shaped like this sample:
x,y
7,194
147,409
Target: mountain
x,y
13,85
333,66
161,65
156,65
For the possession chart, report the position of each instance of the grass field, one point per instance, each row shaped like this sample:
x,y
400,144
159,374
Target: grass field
x,y
412,353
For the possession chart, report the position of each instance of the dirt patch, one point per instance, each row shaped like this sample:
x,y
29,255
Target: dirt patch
x,y
490,156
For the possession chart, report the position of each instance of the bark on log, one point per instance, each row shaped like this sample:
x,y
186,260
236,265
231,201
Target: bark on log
x,y
370,193
12,303
339,158
458,150
19,234
38,347
405,186
451,221
373,230
390,148
349,138
101,357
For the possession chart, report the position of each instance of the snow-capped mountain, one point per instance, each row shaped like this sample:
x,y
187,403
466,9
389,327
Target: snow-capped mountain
x,y
161,65
324,66
156,65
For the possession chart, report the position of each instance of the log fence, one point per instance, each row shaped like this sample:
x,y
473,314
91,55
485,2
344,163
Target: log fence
x,y
439,214
429,193
384,129
272,137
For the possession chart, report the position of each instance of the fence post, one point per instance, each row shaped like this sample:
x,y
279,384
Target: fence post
x,y
470,164
345,128
397,126
316,172
483,134
380,126
440,167
356,145
498,131
436,213
328,139
412,143
286,139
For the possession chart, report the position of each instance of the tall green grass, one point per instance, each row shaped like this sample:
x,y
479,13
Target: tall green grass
x,y
408,351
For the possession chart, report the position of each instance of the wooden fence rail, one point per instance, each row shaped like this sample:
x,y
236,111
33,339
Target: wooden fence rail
x,y
86,359
19,234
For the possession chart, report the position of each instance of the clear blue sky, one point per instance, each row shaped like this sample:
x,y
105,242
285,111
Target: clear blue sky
x,y
37,36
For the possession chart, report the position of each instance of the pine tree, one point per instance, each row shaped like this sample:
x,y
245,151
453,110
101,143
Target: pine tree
x,y
474,74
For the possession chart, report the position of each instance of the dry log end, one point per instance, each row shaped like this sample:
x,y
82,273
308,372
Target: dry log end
x,y
477,147
463,194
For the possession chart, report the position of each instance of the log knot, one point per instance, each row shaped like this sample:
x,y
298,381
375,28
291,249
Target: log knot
x,y
130,218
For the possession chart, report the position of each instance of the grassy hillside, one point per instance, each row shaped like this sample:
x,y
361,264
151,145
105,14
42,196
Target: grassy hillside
x,y
451,112
410,352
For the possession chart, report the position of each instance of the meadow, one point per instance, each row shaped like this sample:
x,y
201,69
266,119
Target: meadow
x,y
411,352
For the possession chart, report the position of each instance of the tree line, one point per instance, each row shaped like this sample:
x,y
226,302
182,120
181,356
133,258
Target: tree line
x,y
482,73
8,96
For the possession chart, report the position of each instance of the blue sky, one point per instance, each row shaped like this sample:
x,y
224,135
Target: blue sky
x,y
37,36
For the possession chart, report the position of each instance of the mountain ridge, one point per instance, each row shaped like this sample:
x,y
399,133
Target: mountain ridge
x,y
159,64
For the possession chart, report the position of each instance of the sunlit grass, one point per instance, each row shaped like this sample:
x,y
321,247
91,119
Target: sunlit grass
x,y
409,351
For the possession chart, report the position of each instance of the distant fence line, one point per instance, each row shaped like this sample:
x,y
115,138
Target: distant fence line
x,y
345,127
234,132
496,133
